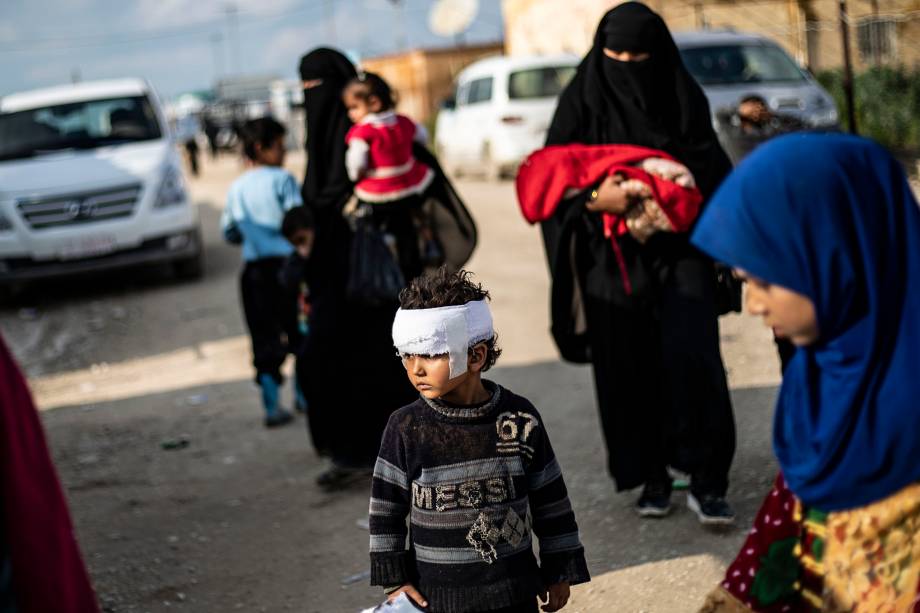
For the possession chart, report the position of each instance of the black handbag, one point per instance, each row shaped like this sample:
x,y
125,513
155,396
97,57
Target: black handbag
x,y
374,276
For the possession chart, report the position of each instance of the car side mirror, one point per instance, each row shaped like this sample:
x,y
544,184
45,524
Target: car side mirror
x,y
449,104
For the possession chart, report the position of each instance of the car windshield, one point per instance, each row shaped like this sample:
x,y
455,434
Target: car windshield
x,y
543,82
77,125
736,64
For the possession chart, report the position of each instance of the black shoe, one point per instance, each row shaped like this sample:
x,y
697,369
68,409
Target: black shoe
x,y
278,418
655,500
711,510
340,477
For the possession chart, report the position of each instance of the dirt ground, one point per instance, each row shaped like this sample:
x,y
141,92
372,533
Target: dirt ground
x,y
124,363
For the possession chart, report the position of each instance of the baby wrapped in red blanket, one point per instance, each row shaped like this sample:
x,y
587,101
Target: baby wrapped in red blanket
x,y
662,192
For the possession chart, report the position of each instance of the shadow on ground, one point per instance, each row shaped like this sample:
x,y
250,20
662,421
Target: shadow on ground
x,y
233,521
66,324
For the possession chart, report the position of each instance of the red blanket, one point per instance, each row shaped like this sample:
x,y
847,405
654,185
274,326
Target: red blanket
x,y
48,572
546,175
549,173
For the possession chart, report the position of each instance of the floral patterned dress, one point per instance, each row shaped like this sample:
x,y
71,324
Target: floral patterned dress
x,y
801,560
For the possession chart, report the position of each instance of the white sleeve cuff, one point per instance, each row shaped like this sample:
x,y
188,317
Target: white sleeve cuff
x,y
356,158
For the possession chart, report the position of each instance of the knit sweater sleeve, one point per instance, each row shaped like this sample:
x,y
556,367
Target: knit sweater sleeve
x,y
391,562
562,556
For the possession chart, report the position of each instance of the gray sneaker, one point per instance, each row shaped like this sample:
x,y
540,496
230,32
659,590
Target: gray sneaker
x,y
711,510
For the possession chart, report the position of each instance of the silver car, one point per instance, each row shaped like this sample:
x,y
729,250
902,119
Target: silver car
x,y
731,66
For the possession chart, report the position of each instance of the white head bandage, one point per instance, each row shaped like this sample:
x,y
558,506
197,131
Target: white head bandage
x,y
451,330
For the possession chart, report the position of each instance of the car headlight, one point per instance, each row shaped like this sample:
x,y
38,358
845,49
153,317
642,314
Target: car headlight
x,y
172,189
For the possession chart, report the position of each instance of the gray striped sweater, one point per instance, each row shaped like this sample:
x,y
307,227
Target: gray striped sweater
x,y
474,483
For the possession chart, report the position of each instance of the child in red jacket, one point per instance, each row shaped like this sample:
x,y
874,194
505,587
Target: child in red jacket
x,y
379,158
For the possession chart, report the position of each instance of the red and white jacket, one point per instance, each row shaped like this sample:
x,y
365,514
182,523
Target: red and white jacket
x,y
380,161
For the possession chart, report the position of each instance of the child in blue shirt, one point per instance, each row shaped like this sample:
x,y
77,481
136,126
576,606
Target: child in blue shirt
x,y
256,204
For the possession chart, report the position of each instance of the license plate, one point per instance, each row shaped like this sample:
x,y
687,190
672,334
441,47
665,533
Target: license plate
x,y
87,247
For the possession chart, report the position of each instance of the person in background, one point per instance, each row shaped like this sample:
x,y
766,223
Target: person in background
x,y
743,129
825,229
41,569
356,414
389,180
187,129
191,151
379,158
644,315
469,462
299,228
211,130
256,204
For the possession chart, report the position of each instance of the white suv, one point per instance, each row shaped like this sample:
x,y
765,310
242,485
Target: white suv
x,y
90,179
501,112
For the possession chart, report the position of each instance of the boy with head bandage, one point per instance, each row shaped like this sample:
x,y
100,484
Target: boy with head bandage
x,y
465,463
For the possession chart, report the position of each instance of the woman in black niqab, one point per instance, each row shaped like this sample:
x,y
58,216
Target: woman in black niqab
x,y
351,378
350,374
653,103
659,378
326,187
325,72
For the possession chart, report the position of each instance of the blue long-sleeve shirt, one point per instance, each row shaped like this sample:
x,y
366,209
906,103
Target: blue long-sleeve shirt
x,y
256,204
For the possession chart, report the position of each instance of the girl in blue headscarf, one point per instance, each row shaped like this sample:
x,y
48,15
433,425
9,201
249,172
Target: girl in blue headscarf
x,y
826,232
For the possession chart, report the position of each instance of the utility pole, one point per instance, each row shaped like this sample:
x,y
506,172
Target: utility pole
x,y
847,66
217,40
233,28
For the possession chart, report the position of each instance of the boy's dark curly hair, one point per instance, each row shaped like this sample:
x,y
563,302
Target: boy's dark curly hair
x,y
443,288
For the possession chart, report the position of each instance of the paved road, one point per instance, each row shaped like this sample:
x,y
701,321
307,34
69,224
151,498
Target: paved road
x,y
122,363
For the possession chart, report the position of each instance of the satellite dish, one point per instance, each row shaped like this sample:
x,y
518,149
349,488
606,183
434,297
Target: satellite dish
x,y
452,17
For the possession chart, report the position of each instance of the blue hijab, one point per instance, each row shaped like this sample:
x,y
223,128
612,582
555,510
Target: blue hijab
x,y
832,217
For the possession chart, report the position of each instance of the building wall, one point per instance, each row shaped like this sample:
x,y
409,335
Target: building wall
x,y
545,27
807,29
423,78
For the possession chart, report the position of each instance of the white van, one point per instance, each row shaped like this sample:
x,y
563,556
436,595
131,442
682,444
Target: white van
x,y
90,179
501,112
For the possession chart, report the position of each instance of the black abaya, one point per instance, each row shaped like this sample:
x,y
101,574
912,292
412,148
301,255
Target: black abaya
x,y
353,376
659,377
353,379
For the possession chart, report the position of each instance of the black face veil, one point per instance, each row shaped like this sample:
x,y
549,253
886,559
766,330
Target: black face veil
x,y
327,122
654,103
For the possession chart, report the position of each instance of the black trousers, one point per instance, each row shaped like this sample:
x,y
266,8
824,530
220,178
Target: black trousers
x,y
660,383
271,316
353,378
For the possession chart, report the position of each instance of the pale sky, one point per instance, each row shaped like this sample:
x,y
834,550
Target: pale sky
x,y
172,42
